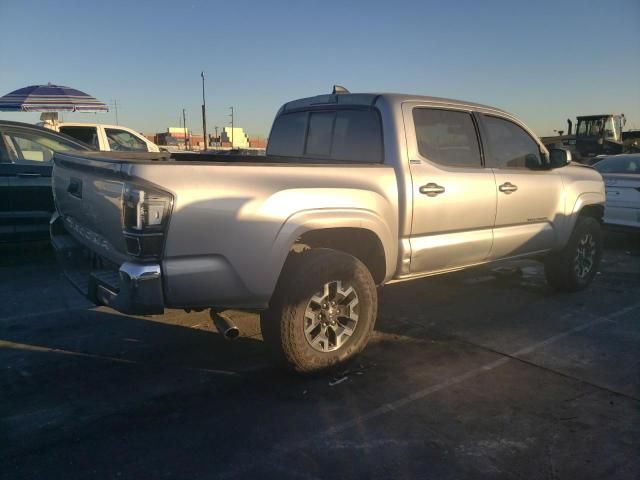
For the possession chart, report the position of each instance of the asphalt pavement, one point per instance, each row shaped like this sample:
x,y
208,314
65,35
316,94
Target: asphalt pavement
x,y
480,374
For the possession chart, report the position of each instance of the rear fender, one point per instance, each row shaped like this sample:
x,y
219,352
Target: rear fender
x,y
309,220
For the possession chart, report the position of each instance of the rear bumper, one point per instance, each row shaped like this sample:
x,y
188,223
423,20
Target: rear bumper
x,y
132,288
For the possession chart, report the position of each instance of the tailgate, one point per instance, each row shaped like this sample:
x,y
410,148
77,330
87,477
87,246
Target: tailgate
x,y
88,197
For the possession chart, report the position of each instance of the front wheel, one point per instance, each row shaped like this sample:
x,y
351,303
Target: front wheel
x,y
574,267
323,311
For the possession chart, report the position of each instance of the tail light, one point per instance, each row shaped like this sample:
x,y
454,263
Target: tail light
x,y
145,213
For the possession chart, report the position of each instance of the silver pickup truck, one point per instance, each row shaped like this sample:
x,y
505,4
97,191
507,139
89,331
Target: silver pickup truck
x,y
356,191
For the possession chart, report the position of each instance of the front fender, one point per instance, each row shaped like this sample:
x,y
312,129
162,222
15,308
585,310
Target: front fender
x,y
583,200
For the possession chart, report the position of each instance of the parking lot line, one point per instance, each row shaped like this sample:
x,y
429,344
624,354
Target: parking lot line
x,y
389,407
38,348
421,394
43,313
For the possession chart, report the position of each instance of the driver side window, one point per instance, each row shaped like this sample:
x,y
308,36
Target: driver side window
x,y
121,140
509,144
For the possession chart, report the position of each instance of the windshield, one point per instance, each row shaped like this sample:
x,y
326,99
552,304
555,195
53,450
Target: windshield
x,y
591,127
612,128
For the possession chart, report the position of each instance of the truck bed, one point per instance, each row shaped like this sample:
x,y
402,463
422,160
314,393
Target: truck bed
x,y
233,218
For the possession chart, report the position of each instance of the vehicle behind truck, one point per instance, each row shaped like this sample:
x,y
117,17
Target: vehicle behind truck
x,y
107,138
356,191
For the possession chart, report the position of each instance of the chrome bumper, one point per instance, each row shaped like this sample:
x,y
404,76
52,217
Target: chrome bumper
x,y
132,288
139,290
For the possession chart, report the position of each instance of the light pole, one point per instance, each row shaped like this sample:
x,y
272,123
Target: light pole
x,y
231,127
184,126
204,116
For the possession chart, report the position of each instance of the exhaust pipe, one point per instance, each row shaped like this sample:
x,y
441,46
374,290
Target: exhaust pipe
x,y
226,328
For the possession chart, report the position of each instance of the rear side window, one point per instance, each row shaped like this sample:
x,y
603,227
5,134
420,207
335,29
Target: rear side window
x,y
447,137
88,135
340,135
509,144
287,135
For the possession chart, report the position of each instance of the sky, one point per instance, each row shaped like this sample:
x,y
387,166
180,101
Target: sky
x,y
544,61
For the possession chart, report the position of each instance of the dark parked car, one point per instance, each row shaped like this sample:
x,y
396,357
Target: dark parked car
x,y
26,201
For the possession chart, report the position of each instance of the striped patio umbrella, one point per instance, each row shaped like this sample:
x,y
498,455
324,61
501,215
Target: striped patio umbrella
x,y
50,98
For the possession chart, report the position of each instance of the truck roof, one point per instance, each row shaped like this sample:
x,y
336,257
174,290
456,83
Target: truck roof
x,y
589,117
94,124
372,98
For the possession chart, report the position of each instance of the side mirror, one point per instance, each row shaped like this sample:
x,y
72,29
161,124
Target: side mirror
x,y
559,157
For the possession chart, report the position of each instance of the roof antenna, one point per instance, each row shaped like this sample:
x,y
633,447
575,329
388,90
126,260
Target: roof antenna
x,y
339,90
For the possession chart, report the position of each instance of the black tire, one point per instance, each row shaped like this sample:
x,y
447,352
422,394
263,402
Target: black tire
x,y
566,270
303,277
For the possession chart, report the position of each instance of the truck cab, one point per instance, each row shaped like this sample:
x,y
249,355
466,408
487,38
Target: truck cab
x,y
599,135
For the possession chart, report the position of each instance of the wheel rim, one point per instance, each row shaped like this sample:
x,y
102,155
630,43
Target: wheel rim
x,y
585,256
331,316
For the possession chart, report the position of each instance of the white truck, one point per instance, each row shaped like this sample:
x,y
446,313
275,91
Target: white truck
x,y
107,138
356,191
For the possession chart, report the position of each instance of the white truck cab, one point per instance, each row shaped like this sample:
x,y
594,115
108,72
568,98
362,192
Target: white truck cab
x,y
108,138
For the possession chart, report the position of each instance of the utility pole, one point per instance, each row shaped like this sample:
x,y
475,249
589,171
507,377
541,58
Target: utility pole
x,y
184,126
204,116
231,127
115,107
217,139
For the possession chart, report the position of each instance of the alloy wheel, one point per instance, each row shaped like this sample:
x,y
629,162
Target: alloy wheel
x,y
331,316
585,257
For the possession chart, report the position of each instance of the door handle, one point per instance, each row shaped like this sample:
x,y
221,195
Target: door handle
x,y
507,188
28,175
431,189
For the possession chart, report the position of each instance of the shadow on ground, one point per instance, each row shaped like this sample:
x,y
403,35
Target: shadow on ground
x,y
88,392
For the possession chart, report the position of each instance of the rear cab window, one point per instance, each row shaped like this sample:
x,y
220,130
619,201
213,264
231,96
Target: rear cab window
x,y
336,136
447,137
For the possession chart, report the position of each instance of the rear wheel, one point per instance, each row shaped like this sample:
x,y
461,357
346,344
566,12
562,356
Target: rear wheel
x,y
574,267
323,310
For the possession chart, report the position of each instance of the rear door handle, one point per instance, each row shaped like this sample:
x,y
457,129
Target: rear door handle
x,y
28,175
431,189
508,188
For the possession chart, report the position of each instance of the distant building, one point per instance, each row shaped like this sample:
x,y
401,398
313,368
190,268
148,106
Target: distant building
x,y
257,143
175,136
240,139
